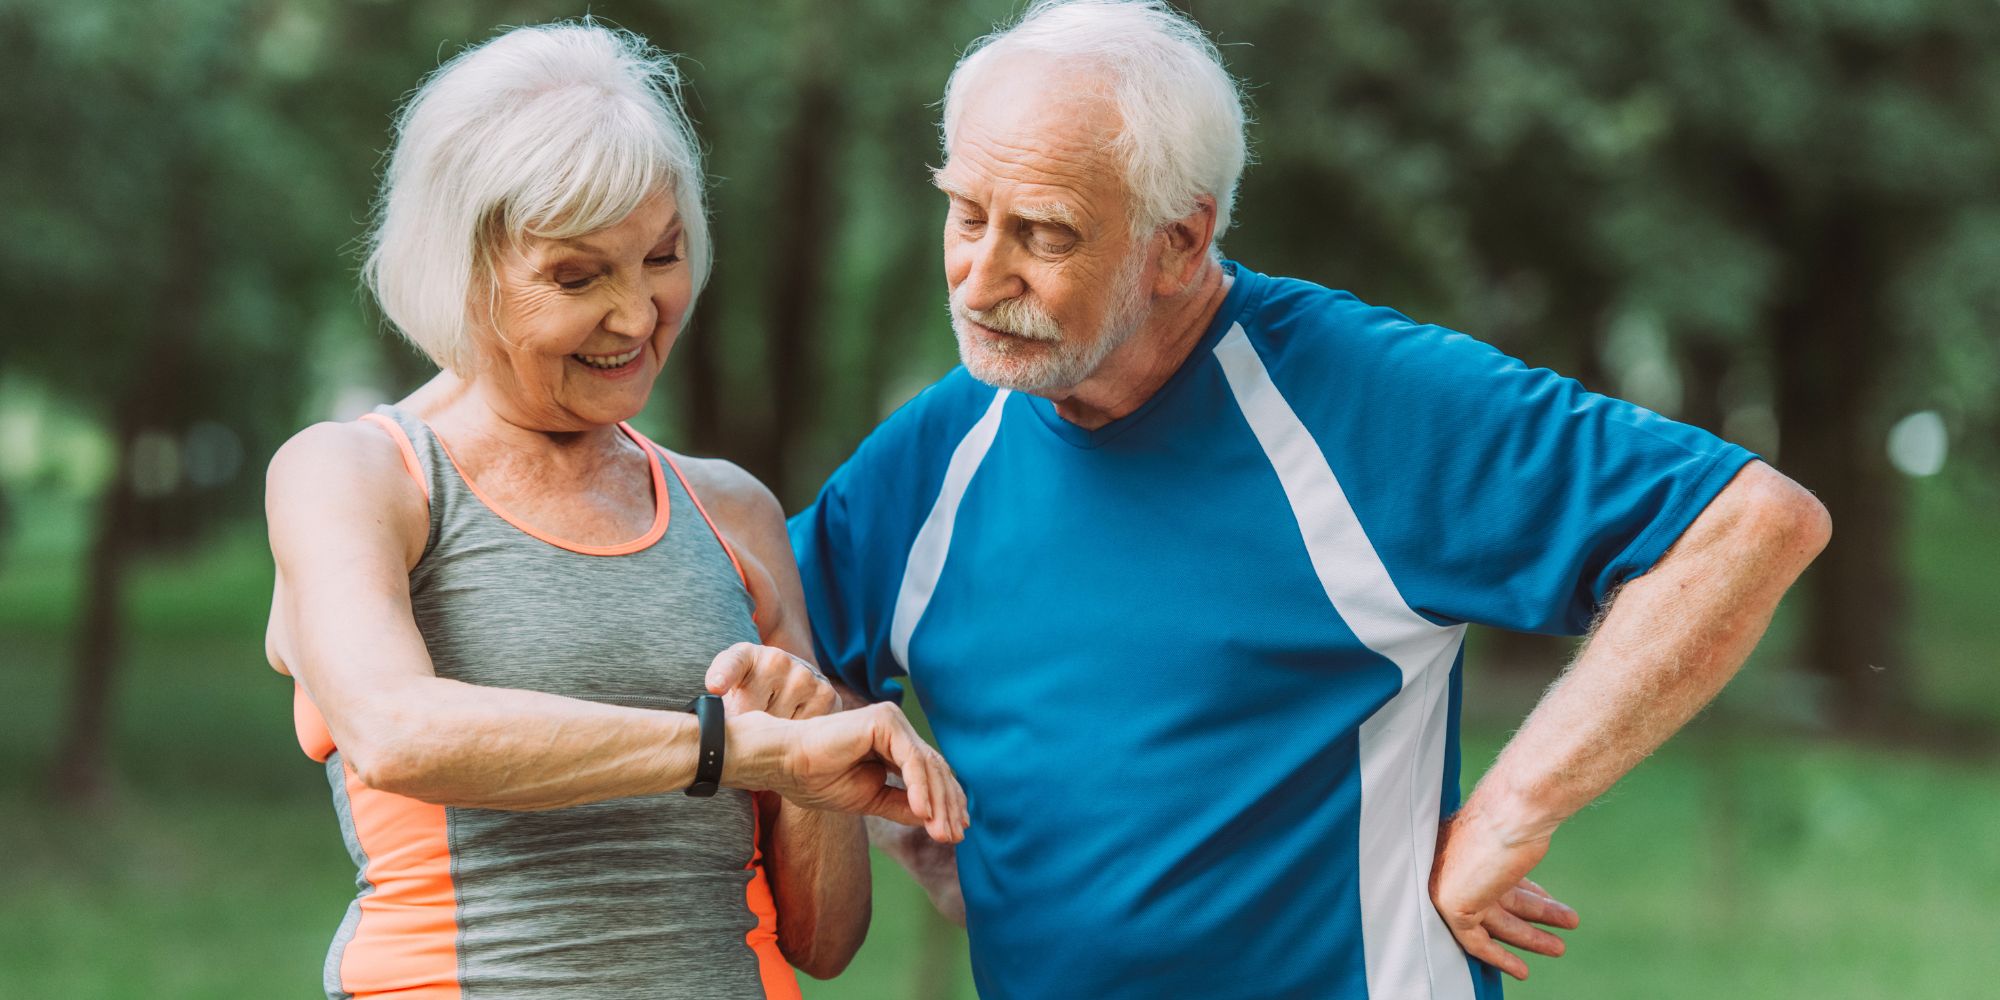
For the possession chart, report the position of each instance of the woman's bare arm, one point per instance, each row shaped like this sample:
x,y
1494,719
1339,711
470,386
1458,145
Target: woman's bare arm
x,y
346,525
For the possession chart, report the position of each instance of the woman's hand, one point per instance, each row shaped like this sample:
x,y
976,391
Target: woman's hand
x,y
753,678
843,762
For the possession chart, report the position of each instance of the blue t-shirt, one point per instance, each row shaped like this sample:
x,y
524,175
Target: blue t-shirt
x,y
1198,669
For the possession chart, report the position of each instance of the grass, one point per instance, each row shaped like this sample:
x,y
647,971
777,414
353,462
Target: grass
x,y
1740,862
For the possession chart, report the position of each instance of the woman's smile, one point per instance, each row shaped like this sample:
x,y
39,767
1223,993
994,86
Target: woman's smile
x,y
612,365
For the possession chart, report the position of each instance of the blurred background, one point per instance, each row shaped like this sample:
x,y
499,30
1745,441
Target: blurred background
x,y
1778,219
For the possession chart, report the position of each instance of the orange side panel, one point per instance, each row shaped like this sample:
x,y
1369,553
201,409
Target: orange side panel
x,y
780,982
407,939
314,737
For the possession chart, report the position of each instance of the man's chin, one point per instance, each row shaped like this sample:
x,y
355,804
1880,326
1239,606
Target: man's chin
x,y
1036,376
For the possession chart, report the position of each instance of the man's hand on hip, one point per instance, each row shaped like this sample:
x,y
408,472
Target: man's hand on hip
x,y
1480,886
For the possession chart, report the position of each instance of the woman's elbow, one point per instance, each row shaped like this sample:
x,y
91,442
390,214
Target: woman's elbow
x,y
384,759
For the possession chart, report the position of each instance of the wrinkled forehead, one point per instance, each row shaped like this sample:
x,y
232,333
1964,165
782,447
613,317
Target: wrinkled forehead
x,y
1027,121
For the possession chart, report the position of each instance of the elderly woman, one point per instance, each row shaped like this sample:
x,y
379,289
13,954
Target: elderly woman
x,y
497,598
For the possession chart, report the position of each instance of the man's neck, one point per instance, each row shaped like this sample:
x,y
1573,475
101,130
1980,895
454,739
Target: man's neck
x,y
1139,367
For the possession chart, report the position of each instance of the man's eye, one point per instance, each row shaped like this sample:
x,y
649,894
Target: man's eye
x,y
970,224
1053,245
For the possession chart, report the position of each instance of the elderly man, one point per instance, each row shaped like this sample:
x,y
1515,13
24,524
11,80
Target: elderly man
x,y
1181,562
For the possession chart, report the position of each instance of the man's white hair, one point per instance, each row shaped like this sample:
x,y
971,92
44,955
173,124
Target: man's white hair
x,y
1181,114
549,131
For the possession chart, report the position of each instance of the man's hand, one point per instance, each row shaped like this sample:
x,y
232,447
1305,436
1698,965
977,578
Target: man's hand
x,y
1480,886
843,762
753,678
934,865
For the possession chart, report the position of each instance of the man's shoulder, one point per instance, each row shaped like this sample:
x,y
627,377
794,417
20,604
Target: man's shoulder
x,y
1303,325
915,442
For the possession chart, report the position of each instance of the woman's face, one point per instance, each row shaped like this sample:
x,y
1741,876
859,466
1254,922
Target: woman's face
x,y
580,327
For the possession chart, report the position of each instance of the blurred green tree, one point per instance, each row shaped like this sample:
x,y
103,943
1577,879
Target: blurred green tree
x,y
1777,219
1714,208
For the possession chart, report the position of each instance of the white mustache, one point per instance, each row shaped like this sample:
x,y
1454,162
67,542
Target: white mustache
x,y
1013,316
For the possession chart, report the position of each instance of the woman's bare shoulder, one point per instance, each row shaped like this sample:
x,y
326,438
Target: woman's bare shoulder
x,y
734,497
333,476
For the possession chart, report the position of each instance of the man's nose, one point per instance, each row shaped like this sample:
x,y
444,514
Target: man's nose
x,y
991,277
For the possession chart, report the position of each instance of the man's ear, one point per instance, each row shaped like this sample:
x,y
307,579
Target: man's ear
x,y
1186,243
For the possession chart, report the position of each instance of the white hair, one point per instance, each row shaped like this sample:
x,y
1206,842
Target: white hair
x,y
1181,114
549,131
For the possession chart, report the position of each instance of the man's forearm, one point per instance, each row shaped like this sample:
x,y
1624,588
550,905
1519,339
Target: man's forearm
x,y
1668,643
934,866
819,873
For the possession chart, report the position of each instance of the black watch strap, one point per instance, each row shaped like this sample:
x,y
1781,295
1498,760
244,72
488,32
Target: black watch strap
x,y
707,711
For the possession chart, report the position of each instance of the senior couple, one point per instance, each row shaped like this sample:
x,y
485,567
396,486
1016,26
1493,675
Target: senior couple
x,y
1180,560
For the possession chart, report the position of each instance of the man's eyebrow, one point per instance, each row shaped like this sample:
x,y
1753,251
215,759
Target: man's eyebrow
x,y
1052,212
938,181
1048,212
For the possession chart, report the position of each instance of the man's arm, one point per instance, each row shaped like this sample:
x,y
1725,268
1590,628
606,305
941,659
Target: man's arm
x,y
1666,644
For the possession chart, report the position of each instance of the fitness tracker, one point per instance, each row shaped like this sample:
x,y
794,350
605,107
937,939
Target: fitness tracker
x,y
707,711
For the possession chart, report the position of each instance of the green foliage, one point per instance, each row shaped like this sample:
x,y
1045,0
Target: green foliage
x,y
1633,193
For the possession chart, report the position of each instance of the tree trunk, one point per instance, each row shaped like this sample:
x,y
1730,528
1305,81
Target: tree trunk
x,y
1832,353
701,379
80,774
801,227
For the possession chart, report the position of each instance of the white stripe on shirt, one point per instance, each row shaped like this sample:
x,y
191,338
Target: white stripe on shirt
x,y
1408,950
933,541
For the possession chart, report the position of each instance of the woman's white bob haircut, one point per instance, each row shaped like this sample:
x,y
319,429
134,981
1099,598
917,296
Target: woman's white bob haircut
x,y
548,131
1181,133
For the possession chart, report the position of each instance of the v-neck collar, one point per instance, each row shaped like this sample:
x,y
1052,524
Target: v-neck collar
x,y
1245,282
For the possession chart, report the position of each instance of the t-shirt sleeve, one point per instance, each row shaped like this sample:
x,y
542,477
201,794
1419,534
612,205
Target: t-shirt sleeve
x,y
1496,493
849,621
853,543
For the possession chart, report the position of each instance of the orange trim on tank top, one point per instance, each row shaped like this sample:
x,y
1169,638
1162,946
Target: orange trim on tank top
x,y
727,549
406,941
410,464
773,971
661,508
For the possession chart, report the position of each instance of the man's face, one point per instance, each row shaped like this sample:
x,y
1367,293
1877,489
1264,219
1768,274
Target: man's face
x,y
1046,276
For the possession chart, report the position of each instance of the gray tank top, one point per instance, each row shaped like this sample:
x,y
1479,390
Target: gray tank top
x,y
657,896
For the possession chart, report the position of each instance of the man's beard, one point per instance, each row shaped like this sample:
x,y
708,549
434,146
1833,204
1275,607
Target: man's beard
x,y
1048,359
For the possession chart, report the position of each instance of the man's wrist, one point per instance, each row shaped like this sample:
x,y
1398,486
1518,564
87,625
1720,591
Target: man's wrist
x,y
1510,814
